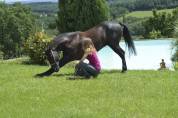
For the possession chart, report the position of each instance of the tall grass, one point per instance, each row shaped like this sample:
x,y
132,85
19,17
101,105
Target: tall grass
x,y
138,93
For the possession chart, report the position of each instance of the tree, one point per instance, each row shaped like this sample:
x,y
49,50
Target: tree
x,y
16,23
117,11
160,22
80,15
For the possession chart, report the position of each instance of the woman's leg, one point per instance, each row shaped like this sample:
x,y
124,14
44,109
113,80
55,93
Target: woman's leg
x,y
87,70
90,69
80,70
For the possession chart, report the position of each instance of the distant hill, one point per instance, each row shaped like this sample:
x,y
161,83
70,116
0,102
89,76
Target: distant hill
x,y
29,1
131,5
135,5
43,7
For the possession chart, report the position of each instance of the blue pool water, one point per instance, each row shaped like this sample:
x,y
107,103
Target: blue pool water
x,y
149,55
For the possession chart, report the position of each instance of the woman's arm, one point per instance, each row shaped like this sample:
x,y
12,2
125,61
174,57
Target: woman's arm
x,y
87,51
84,57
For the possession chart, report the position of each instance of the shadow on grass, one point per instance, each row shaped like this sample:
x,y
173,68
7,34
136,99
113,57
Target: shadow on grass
x,y
111,71
70,76
63,75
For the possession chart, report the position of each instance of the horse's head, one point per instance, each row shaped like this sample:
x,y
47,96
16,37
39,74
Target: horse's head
x,y
53,59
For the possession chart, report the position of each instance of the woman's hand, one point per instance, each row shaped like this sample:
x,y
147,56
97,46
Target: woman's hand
x,y
86,53
84,57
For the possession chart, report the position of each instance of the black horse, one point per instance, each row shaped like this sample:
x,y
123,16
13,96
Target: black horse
x,y
106,33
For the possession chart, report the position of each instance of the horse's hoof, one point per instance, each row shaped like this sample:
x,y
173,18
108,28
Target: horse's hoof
x,y
123,71
39,75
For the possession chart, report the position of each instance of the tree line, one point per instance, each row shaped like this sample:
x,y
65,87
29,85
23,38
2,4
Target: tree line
x,y
139,5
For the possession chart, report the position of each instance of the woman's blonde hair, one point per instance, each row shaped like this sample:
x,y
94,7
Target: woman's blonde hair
x,y
88,45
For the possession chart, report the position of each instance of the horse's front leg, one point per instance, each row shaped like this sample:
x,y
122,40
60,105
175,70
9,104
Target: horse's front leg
x,y
55,66
121,53
46,73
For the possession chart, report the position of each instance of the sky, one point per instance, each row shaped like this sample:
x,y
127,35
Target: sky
x,y
10,1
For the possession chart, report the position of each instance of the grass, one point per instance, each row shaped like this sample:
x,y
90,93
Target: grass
x,y
143,14
140,94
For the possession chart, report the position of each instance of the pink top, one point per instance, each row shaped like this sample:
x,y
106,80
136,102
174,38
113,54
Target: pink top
x,y
94,61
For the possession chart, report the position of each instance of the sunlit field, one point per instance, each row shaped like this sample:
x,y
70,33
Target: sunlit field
x,y
143,14
112,94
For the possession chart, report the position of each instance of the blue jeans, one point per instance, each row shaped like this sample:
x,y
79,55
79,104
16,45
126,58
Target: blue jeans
x,y
86,70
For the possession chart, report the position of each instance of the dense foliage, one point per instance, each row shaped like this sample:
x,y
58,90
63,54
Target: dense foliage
x,y
16,23
175,48
35,47
175,55
161,24
117,11
76,15
121,7
135,25
118,8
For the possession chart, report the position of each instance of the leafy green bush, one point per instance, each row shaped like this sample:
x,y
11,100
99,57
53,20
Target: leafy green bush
x,y
135,25
16,24
161,21
35,47
1,55
176,65
154,34
175,48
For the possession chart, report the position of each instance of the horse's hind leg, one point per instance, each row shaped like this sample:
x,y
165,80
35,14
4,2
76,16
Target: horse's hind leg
x,y
121,53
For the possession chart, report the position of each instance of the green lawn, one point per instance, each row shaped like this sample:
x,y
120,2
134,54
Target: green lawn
x,y
143,14
139,94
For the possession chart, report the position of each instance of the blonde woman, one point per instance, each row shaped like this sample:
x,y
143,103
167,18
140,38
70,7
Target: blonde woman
x,y
93,67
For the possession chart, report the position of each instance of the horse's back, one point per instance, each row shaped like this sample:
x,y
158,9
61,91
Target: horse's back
x,y
105,33
63,38
112,27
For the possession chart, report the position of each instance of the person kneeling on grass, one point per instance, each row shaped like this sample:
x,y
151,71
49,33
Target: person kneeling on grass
x,y
91,69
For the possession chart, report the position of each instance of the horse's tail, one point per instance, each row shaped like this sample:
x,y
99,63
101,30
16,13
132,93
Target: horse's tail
x,y
128,40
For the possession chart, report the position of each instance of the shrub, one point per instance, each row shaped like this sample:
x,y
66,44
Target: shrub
x,y
163,22
16,24
154,34
1,55
175,47
175,65
35,47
